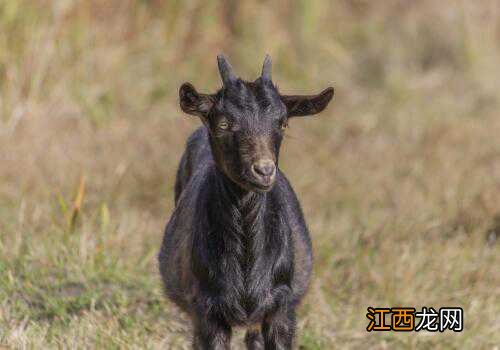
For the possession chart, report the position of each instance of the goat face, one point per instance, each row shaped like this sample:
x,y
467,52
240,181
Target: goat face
x,y
247,121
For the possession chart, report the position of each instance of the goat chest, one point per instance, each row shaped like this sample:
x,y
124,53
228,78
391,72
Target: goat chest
x,y
248,264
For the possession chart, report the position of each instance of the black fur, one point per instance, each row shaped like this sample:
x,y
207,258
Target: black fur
x,y
236,251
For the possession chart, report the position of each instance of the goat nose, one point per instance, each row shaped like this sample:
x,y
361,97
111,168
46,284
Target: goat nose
x,y
264,168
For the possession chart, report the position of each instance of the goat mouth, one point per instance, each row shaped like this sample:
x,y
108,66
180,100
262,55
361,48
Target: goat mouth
x,y
260,186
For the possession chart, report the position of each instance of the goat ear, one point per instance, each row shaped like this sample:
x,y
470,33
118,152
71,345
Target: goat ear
x,y
303,105
194,103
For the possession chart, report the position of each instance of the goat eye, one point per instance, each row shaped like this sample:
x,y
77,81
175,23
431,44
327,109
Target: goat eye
x,y
224,125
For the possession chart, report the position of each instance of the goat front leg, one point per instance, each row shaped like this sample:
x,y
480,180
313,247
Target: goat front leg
x,y
211,333
278,328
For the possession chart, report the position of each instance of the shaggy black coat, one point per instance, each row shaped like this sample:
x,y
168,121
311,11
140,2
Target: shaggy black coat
x,y
234,256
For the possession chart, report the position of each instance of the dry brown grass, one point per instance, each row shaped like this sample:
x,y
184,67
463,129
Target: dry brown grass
x,y
399,179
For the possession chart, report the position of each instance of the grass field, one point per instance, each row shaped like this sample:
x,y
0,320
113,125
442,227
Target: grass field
x,y
399,179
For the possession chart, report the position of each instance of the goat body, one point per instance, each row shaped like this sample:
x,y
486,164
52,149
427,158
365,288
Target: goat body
x,y
239,258
236,251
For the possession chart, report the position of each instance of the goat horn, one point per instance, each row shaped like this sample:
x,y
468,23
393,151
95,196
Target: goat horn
x,y
266,68
225,70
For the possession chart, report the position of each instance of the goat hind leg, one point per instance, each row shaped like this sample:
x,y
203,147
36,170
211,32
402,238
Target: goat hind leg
x,y
254,339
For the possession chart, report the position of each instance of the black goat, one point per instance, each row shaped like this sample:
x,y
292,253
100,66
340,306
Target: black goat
x,y
236,251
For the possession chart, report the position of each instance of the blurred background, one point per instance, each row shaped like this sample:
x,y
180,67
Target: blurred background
x,y
399,178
